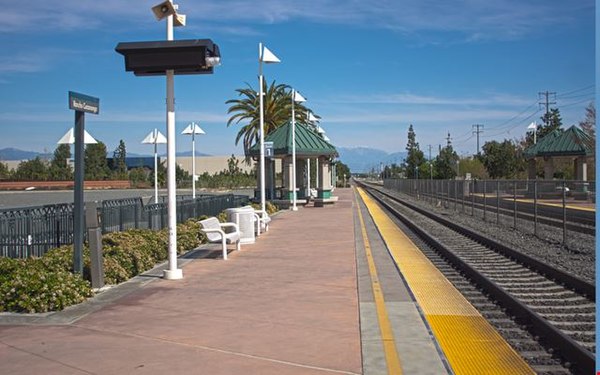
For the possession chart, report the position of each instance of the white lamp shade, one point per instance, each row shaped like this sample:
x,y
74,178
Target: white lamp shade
x,y
326,138
533,125
267,56
193,128
320,130
298,98
69,138
312,117
155,137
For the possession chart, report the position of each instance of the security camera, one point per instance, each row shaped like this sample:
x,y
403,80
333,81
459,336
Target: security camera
x,y
163,10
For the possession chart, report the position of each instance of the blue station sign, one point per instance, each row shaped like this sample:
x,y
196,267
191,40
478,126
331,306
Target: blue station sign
x,y
83,103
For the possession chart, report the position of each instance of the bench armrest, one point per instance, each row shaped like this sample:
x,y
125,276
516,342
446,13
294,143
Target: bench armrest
x,y
227,225
213,230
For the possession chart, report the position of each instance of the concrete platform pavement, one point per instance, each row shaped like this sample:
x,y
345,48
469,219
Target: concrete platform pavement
x,y
285,305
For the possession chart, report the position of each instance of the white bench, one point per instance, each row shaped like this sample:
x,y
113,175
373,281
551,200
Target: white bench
x,y
262,220
215,233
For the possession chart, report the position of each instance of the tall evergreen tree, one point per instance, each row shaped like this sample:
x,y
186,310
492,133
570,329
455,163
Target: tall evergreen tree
x,y
444,165
119,165
59,166
414,158
5,173
588,125
96,166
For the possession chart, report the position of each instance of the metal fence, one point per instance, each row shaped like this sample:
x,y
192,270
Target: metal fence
x,y
568,206
32,231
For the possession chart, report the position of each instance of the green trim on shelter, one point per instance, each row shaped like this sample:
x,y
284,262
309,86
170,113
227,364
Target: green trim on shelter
x,y
571,142
308,142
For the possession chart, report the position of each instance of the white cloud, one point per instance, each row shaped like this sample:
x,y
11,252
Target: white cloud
x,y
476,20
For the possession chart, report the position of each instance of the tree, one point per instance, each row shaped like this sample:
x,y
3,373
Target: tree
x,y
589,124
119,165
32,170
59,166
182,177
96,167
4,171
277,111
342,171
444,165
415,157
162,175
502,160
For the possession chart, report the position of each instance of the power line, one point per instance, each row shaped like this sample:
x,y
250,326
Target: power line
x,y
547,102
576,90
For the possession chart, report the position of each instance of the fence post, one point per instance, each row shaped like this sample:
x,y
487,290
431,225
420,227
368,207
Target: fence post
x,y
484,199
515,202
472,197
498,202
535,207
564,207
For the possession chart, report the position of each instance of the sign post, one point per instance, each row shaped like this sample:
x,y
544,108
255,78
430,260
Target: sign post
x,y
80,104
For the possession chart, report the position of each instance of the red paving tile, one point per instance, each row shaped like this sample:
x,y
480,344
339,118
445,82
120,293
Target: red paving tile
x,y
287,304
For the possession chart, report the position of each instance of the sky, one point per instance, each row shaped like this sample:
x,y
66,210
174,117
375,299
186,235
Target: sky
x,y
368,68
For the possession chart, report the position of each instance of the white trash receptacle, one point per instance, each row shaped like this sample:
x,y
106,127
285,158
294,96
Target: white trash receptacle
x,y
244,218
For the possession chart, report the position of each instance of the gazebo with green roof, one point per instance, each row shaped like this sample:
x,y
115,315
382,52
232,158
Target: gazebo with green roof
x,y
309,145
571,143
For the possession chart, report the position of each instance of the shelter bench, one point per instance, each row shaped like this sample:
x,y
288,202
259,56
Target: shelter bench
x,y
214,232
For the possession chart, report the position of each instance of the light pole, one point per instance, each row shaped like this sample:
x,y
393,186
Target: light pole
x,y
156,58
533,126
193,129
155,137
296,97
266,56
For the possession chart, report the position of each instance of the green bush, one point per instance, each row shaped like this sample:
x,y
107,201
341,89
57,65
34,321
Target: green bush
x,y
48,283
30,286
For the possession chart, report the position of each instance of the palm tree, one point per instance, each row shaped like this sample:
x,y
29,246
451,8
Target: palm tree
x,y
278,111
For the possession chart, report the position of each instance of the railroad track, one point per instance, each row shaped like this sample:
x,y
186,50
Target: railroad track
x,y
556,308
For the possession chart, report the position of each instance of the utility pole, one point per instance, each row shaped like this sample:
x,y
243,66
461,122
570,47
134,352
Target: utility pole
x,y
547,102
479,130
449,141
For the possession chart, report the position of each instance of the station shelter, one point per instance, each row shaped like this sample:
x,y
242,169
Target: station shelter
x,y
572,143
310,145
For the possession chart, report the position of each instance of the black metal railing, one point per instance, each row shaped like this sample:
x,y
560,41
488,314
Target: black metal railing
x,y
32,231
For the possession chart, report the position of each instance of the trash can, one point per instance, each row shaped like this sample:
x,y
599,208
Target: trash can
x,y
244,218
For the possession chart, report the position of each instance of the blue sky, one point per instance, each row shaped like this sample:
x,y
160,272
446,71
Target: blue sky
x,y
368,68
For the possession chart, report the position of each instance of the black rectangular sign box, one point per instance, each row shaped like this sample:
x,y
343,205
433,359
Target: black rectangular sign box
x,y
155,58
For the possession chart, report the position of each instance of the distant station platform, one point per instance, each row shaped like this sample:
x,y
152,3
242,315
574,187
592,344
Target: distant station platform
x,y
319,293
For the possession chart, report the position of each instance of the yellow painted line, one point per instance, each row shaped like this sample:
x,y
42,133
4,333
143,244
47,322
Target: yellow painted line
x,y
387,335
573,207
469,342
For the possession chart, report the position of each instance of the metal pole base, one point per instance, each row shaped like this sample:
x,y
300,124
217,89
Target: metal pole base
x,y
294,208
175,274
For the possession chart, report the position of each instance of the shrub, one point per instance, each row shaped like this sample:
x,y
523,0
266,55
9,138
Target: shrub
x,y
33,287
48,284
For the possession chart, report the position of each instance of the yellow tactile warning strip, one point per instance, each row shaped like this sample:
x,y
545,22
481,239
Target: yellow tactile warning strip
x,y
470,344
387,335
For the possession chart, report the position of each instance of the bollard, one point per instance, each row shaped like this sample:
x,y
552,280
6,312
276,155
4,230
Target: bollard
x,y
95,242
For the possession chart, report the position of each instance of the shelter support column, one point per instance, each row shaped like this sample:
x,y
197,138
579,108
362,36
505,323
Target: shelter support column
x,y
324,189
548,168
531,169
580,165
288,172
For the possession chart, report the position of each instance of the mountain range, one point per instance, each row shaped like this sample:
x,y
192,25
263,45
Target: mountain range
x,y
365,159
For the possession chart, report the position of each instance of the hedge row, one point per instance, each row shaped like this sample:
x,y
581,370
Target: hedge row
x,y
37,285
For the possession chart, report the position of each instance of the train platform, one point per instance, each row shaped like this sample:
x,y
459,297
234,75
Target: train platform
x,y
320,293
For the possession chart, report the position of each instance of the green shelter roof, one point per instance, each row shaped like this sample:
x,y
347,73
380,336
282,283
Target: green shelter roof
x,y
308,142
571,142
